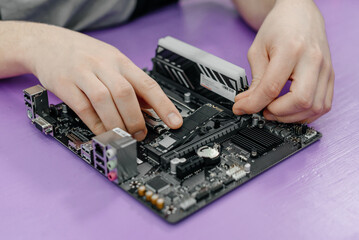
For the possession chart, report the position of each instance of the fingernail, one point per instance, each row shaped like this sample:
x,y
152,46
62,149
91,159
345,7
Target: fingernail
x,y
239,112
174,119
140,135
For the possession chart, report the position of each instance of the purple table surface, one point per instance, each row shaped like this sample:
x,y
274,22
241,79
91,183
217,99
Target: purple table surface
x,y
48,193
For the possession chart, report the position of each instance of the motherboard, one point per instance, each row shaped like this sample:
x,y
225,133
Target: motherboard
x,y
177,172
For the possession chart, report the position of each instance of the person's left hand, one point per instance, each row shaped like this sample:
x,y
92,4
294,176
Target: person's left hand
x,y
291,44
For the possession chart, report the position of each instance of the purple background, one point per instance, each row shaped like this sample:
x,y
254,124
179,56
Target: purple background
x,y
48,193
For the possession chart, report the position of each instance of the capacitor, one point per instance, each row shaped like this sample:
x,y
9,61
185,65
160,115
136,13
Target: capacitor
x,y
247,167
174,162
141,191
261,123
255,121
187,97
254,152
149,195
154,199
160,203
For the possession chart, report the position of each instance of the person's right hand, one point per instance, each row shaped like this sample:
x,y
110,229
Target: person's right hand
x,y
97,81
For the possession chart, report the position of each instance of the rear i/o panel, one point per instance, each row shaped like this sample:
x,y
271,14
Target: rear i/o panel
x,y
177,172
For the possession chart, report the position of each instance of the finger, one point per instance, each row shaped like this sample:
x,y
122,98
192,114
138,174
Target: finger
x,y
317,109
126,101
276,75
80,104
143,103
102,102
328,98
308,89
149,90
296,117
330,93
258,61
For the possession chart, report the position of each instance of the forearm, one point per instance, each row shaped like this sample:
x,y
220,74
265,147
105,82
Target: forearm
x,y
15,38
254,11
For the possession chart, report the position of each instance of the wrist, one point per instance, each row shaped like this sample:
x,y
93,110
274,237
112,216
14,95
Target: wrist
x,y
29,44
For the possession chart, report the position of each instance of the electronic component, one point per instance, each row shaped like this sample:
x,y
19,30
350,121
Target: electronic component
x,y
210,154
154,199
187,97
148,195
175,162
177,172
190,166
157,184
174,137
86,152
154,121
188,203
228,181
204,193
120,148
43,125
262,137
36,101
238,175
256,140
198,70
141,191
217,187
232,171
160,203
247,168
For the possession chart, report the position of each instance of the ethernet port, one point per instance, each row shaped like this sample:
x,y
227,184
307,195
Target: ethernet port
x,y
99,149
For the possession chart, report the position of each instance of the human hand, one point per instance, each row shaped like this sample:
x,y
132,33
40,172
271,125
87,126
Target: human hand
x,y
291,44
103,87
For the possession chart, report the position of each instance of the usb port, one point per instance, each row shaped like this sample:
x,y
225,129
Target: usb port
x,y
86,158
100,161
100,169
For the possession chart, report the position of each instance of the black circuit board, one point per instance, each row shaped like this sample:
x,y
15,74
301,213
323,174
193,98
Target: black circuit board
x,y
221,151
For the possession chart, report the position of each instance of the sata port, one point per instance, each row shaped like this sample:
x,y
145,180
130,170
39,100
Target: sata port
x,y
100,169
100,161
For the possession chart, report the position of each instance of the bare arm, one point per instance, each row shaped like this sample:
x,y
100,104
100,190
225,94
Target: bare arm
x,y
14,40
96,80
254,11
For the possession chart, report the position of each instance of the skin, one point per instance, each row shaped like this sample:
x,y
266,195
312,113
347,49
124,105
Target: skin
x,y
291,44
95,79
107,90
